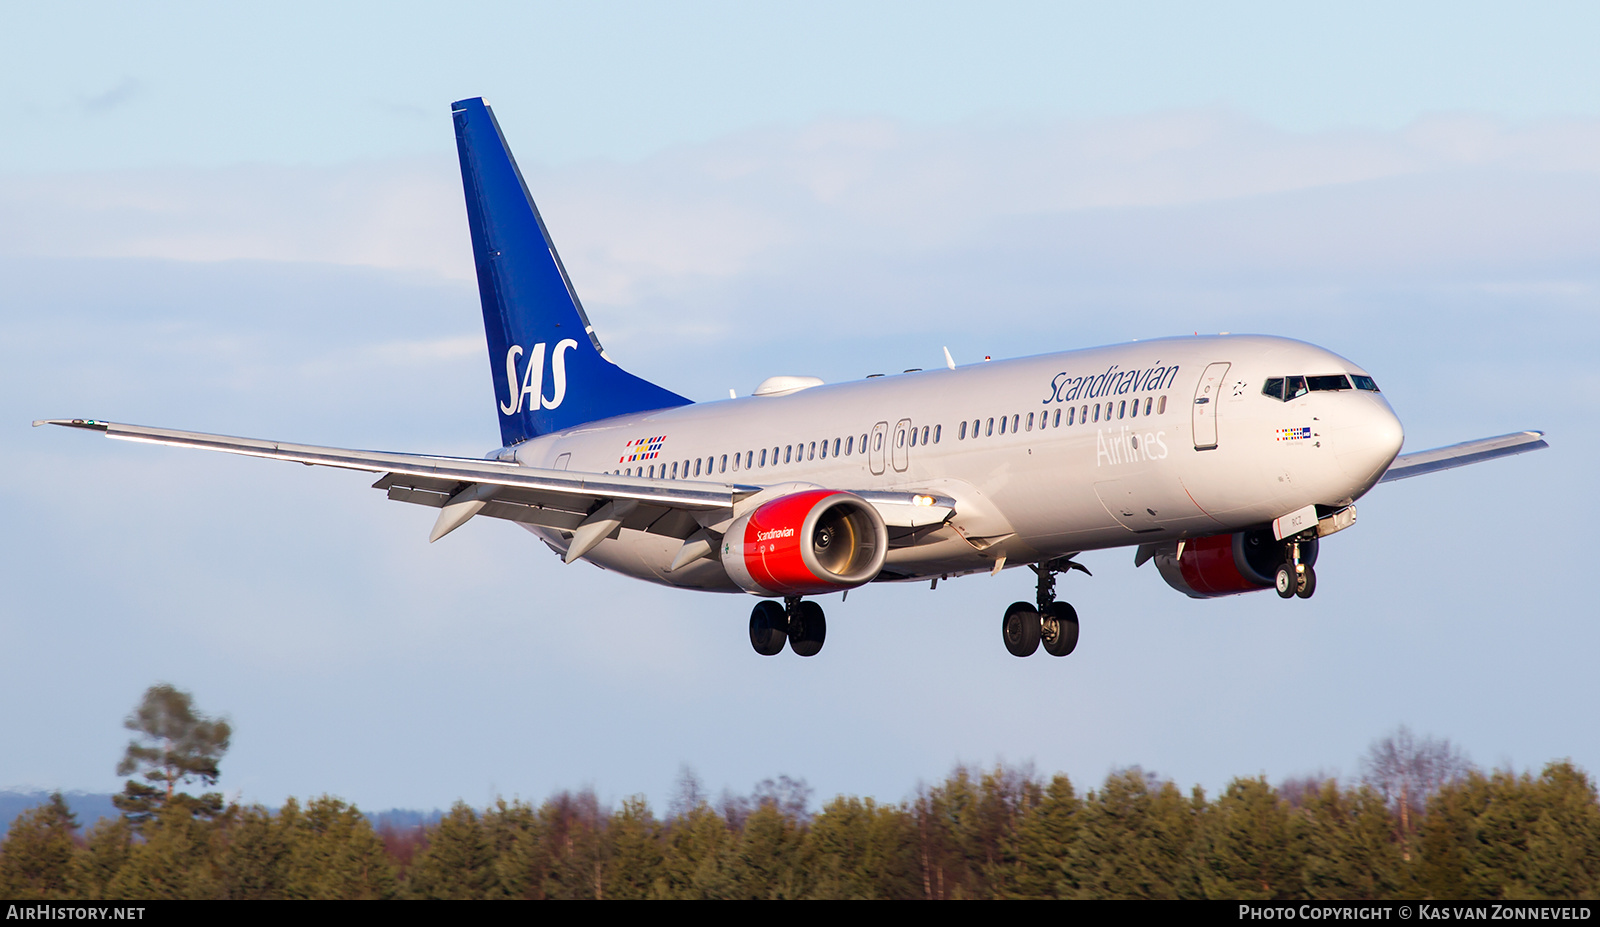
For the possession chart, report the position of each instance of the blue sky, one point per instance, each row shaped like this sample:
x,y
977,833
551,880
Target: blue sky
x,y
248,220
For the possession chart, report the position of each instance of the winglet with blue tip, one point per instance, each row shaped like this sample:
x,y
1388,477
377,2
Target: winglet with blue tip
x,y
549,370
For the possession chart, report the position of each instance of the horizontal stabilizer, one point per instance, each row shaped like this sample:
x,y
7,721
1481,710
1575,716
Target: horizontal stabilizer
x,y
1459,455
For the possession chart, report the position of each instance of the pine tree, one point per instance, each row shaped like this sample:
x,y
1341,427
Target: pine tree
x,y
1246,850
175,861
516,839
458,864
256,864
173,744
1347,845
765,862
1134,840
96,866
693,865
36,858
1563,859
636,851
858,849
1036,858
334,853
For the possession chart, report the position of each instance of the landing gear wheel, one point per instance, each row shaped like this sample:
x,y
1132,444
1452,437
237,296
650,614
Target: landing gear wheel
x,y
1058,629
1308,583
1286,582
769,628
807,628
1020,629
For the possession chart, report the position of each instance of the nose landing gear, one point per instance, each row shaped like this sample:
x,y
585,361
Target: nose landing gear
x,y
1048,622
1295,577
796,622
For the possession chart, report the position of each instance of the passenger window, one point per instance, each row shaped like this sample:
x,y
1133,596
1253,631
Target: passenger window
x,y
723,468
1161,405
849,445
697,466
864,444
787,450
836,447
1097,411
913,437
812,453
1147,401
990,431
899,439
1071,415
1122,408
674,469
936,430
1002,424
1016,419
924,434
976,424
824,450
961,433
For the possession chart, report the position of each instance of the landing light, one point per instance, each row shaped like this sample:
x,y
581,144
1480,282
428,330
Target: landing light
x,y
921,500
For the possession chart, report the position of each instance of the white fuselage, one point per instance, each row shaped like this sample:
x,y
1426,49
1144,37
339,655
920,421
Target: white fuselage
x,y
1174,446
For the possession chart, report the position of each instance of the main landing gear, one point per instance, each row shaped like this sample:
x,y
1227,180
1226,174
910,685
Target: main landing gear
x,y
1294,577
1046,621
796,622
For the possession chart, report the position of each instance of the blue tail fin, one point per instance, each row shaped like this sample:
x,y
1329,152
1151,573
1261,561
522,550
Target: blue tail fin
x,y
549,370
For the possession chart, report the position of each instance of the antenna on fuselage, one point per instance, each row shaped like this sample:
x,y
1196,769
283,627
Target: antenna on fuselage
x,y
948,360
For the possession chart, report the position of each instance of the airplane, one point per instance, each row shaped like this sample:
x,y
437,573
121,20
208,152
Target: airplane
x,y
1224,460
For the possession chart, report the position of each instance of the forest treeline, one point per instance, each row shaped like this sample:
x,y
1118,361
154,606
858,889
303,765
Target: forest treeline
x,y
998,833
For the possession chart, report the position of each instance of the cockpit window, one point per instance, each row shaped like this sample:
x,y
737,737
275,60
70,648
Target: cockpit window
x,y
1284,389
1331,383
1287,388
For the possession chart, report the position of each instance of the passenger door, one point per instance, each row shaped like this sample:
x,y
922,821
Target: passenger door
x,y
875,455
901,451
1205,406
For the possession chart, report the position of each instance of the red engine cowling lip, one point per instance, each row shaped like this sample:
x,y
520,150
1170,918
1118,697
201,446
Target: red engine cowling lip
x,y
768,551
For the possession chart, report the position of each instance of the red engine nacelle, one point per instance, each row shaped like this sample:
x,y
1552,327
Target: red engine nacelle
x,y
1226,564
806,543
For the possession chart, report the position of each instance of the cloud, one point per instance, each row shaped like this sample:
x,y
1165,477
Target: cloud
x,y
758,201
121,94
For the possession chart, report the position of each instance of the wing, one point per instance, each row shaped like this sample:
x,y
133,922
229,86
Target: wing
x,y
590,506
1459,455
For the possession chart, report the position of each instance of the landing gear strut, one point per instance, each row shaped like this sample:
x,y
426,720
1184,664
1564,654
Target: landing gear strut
x,y
796,622
1046,621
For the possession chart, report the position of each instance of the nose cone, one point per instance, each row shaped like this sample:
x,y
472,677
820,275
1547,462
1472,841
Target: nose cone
x,y
1366,439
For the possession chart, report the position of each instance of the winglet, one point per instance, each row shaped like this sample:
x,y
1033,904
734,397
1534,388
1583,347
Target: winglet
x,y
89,423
